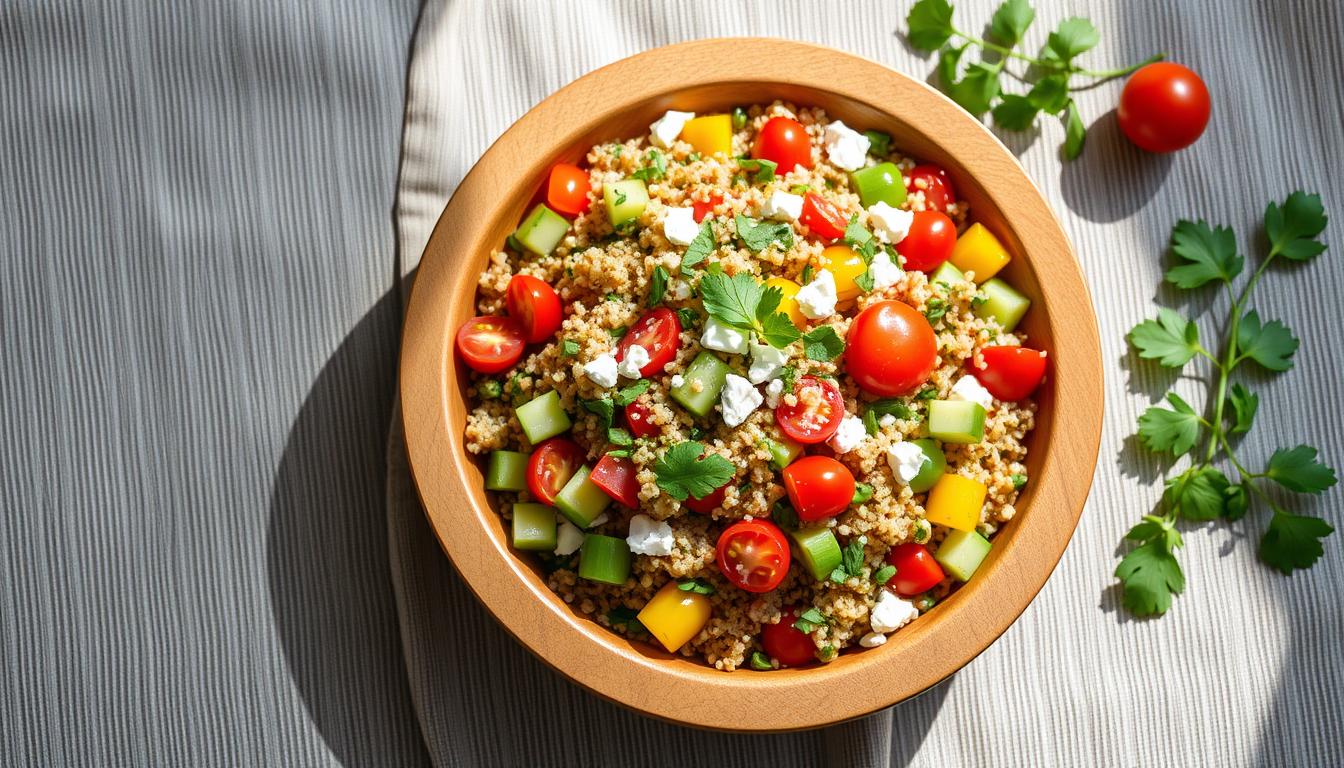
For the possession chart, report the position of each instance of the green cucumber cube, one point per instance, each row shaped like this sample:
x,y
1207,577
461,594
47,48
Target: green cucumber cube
x,y
946,273
703,380
605,559
581,501
542,230
533,527
625,200
881,183
507,471
542,417
818,550
783,452
932,469
1003,303
957,421
961,553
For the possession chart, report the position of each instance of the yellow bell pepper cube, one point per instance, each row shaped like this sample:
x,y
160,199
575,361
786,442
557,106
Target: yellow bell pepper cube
x,y
788,305
955,502
979,251
845,265
674,616
710,135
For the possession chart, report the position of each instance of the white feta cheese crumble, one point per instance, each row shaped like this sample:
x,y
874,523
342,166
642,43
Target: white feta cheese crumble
x,y
739,399
969,388
906,460
891,225
872,640
885,273
568,539
723,338
678,380
636,357
600,519
782,206
891,613
773,391
848,435
667,128
678,289
886,420
649,536
816,300
602,370
766,362
845,146
679,225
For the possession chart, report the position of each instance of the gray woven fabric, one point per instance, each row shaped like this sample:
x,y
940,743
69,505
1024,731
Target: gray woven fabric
x,y
1247,668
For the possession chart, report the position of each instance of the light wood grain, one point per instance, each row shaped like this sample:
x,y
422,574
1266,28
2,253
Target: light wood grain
x,y
713,75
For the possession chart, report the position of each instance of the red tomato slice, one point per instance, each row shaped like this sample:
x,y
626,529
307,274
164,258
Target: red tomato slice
x,y
535,306
659,333
934,183
815,415
822,217
490,344
891,349
567,189
1010,373
916,570
784,142
753,555
617,478
786,643
709,503
551,465
819,487
637,415
929,242
702,209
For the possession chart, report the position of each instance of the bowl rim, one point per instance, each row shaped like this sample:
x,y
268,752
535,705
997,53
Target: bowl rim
x,y
670,687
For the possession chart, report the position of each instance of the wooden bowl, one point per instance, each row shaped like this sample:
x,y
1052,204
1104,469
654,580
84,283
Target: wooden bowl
x,y
617,102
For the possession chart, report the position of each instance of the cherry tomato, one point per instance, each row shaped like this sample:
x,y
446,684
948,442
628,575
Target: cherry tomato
x,y
567,189
1010,373
815,415
916,570
891,349
637,416
1164,107
753,555
702,209
551,465
708,504
929,242
617,477
822,217
535,306
819,487
490,344
786,643
934,183
659,333
784,142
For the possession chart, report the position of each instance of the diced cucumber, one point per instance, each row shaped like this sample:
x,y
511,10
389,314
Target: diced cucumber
x,y
819,550
542,230
625,200
932,469
533,527
605,559
581,500
703,380
783,451
542,417
507,471
1003,303
880,183
961,553
946,273
956,421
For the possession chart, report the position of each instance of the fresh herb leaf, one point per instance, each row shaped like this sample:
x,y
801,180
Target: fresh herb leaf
x,y
618,331
759,235
1198,494
760,662
870,425
689,317
1015,112
656,169
879,143
620,453
806,277
1171,339
762,171
977,88
620,197
934,309
777,329
628,395
620,616
862,493
1293,541
784,515
489,389
682,473
1209,253
1019,481
618,436
930,23
822,344
1174,430
787,376
1244,405
1271,344
1298,470
1292,227
569,348
809,621
658,285
744,303
1073,37
698,586
927,393
603,408
891,406
884,574
701,246
800,189
1010,22
1075,133
1050,94
1149,573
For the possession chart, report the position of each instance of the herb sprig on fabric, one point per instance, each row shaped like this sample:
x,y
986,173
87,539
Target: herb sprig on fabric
x,y
1150,573
1051,73
746,304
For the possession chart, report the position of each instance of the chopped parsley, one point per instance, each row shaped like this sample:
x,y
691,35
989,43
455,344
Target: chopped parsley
x,y
862,241
618,331
620,616
762,171
627,395
935,309
620,197
862,493
569,348
1019,480
700,248
884,574
759,235
689,317
742,302
698,586
784,515
618,436
656,169
489,389
657,285
809,621
788,375
800,189
823,344
851,559
682,473
760,662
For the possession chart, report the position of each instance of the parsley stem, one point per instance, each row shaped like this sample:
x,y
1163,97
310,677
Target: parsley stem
x,y
1110,74
1001,49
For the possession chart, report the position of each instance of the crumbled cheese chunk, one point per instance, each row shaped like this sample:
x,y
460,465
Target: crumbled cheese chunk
x,y
602,370
891,225
636,357
891,613
667,128
649,536
766,362
739,399
886,420
782,206
678,289
678,380
600,519
969,388
773,391
568,539
723,338
845,146
872,640
848,435
817,299
679,225
906,460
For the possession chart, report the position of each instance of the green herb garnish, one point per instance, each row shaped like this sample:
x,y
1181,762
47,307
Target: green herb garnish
x,y
762,171
809,620
759,235
620,616
656,169
489,389
569,348
700,247
1019,481
682,473
884,574
698,586
627,395
784,515
823,344
862,493
689,317
743,302
658,285
760,662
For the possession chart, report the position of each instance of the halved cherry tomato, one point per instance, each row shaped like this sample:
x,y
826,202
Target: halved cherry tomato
x,y
567,189
929,242
784,142
1010,373
617,477
934,183
637,419
819,487
551,465
916,570
701,209
535,306
822,217
786,643
891,349
753,555
659,333
1164,107
709,503
490,344
815,415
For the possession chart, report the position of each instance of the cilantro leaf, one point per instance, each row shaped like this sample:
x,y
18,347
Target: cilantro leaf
x,y
976,89
1244,405
1073,37
731,300
809,620
1149,573
620,437
777,329
762,170
1270,344
1238,501
657,285
1293,541
1210,253
930,23
1075,133
603,408
698,586
701,246
682,473
822,344
1010,22
1015,112
1199,493
1298,470
656,169
1175,430
1050,94
759,235
1171,339
1292,227
628,395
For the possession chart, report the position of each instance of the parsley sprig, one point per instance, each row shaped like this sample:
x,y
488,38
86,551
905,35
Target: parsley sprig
x,y
682,473
1205,255
743,302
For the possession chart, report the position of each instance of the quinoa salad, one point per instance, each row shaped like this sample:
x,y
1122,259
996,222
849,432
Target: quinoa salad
x,y
749,386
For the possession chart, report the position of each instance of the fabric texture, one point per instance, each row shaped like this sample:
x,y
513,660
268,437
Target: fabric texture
x,y
1246,669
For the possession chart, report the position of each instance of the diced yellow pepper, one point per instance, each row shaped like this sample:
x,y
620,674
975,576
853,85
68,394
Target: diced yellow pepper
x,y
844,264
710,135
788,305
979,251
674,616
955,502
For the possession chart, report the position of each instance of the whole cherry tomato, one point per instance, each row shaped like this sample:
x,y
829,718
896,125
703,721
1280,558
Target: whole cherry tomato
x,y
934,183
816,413
659,333
753,555
916,570
784,142
819,487
1010,373
1164,107
567,189
551,465
490,344
786,643
891,349
535,306
929,242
